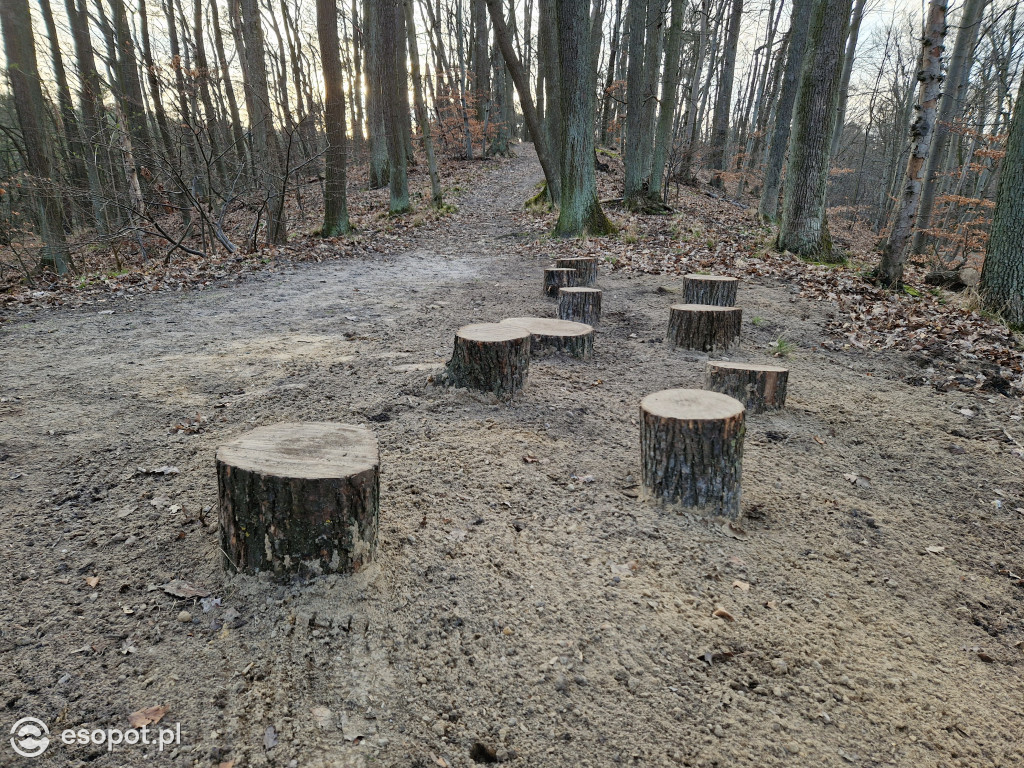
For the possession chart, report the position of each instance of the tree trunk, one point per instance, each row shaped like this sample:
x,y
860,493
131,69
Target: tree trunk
x,y
229,90
522,83
703,327
890,269
23,72
803,229
669,95
719,160
490,357
582,305
391,18
769,205
844,83
421,110
691,450
579,211
547,336
264,138
950,108
646,32
129,86
609,80
299,498
335,155
716,290
375,97
481,59
555,279
584,266
1002,276
759,387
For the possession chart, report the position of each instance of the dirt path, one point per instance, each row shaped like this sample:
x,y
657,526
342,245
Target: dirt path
x,y
533,611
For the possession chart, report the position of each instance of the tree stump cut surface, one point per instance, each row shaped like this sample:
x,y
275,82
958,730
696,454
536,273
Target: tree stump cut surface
x,y
299,498
716,290
490,357
581,305
555,278
759,387
691,449
548,335
585,267
703,326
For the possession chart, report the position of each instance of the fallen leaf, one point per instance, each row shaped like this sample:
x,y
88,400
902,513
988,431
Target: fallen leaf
x,y
92,581
818,440
936,550
985,657
184,590
721,613
269,738
734,531
226,764
147,716
322,716
858,480
528,459
741,585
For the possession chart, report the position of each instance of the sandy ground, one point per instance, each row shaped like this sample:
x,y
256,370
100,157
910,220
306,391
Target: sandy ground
x,y
535,612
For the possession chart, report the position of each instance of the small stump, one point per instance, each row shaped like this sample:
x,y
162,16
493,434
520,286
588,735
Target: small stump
x,y
710,289
299,498
691,449
490,357
547,335
585,268
582,305
759,387
555,278
703,326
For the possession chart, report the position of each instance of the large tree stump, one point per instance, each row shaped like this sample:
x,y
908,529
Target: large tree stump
x,y
582,305
759,387
585,266
691,449
490,357
547,336
704,326
710,289
299,498
555,278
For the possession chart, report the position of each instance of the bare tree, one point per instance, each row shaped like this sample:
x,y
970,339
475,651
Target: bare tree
x,y
335,157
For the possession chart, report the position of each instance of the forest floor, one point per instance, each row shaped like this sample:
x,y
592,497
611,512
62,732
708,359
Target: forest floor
x,y
525,605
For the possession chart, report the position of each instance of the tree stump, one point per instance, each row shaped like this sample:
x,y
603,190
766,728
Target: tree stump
x,y
759,387
299,498
547,336
555,278
582,305
490,357
704,326
717,290
691,449
585,267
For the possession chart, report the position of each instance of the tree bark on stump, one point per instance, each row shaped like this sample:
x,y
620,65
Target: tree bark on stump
x,y
490,357
299,498
555,278
691,449
717,290
581,305
585,267
703,326
759,387
547,336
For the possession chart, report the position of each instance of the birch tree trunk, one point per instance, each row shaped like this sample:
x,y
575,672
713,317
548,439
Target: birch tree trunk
x,y
949,110
890,270
804,229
